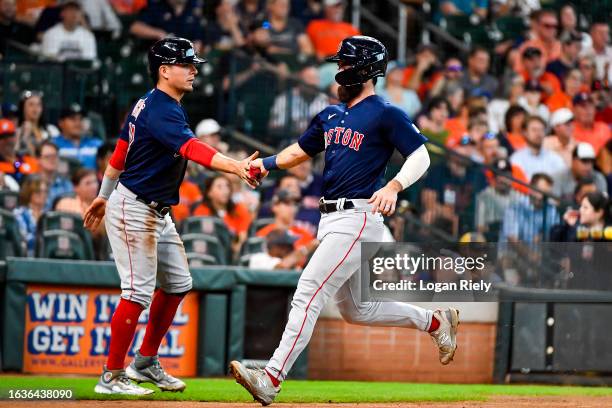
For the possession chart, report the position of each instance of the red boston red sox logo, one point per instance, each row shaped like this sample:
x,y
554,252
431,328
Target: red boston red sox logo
x,y
345,136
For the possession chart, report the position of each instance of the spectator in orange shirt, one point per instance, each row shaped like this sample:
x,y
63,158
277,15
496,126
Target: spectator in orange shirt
x,y
218,202
534,65
572,85
327,33
586,128
189,194
490,149
12,163
285,207
128,7
545,37
423,75
513,139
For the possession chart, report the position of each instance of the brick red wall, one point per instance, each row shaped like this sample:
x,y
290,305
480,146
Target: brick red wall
x,y
341,351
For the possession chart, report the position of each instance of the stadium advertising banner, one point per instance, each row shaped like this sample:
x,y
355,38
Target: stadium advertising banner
x,y
68,330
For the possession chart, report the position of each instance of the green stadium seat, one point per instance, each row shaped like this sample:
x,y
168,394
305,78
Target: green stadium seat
x,y
206,245
510,27
65,221
254,245
59,244
196,260
11,242
211,226
9,200
258,224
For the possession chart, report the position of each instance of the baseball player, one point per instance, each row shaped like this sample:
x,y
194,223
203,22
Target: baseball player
x,y
140,184
358,137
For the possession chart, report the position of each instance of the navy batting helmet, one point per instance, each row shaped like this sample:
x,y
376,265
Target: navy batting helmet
x,y
366,56
172,51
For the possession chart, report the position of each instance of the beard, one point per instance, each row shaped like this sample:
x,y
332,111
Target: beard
x,y
348,93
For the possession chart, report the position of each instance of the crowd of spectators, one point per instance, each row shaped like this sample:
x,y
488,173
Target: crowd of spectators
x,y
506,144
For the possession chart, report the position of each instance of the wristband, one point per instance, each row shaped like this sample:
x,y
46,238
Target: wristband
x,y
107,187
270,163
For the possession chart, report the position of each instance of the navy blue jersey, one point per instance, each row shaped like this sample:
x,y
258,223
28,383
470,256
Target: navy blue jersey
x,y
155,130
358,144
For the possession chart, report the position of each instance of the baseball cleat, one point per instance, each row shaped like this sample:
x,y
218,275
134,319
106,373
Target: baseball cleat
x,y
116,382
148,369
446,335
256,381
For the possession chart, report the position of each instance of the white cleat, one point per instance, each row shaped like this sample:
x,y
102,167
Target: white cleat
x,y
256,381
148,369
116,382
445,337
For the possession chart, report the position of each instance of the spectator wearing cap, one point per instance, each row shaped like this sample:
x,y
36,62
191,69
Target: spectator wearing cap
x,y
476,79
492,202
285,206
534,69
586,128
423,75
327,33
568,59
224,32
47,154
601,50
33,128
451,79
71,142
582,166
11,29
163,18
533,158
572,85
545,38
68,39
280,252
217,201
561,141
11,162
531,100
32,198
287,34
490,150
395,93
10,111
209,131
305,100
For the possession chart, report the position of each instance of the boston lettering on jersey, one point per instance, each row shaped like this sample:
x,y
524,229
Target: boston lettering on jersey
x,y
155,130
358,143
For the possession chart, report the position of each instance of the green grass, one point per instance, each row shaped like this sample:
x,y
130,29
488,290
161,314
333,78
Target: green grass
x,y
225,390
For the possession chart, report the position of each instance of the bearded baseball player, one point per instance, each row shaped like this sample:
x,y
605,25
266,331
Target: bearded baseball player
x,y
358,137
140,184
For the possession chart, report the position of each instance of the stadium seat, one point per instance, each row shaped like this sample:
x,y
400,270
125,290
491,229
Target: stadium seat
x,y
59,244
258,224
11,242
57,220
9,200
254,245
198,260
211,226
206,245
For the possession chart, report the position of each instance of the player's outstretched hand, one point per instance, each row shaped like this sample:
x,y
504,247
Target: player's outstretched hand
x,y
94,214
385,199
244,171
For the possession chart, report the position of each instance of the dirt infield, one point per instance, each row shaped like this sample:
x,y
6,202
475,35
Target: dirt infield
x,y
493,402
